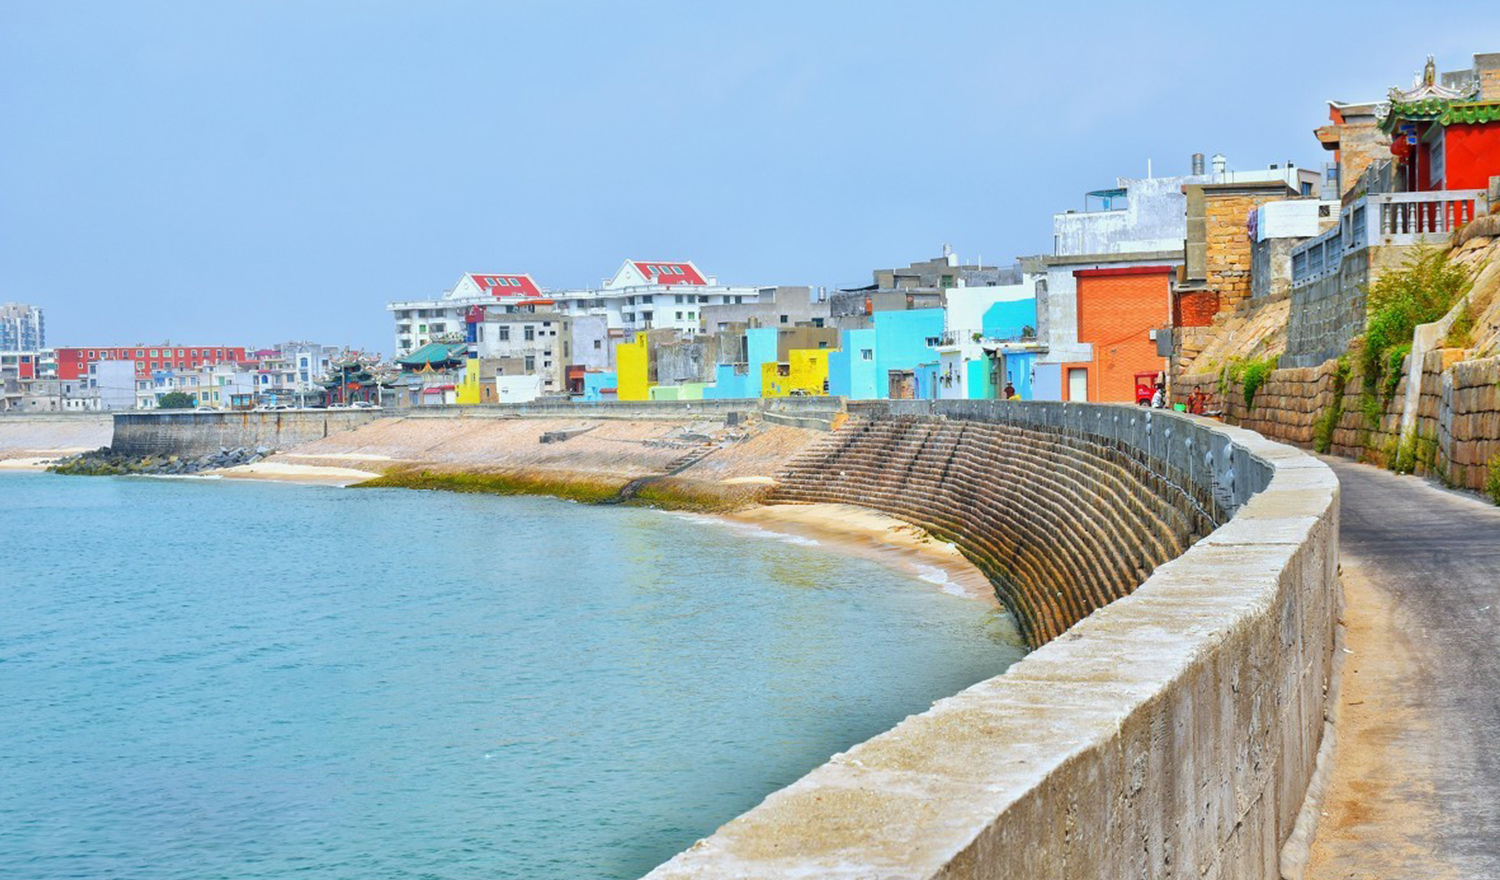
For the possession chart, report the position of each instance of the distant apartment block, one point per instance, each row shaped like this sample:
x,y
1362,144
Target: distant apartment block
x,y
79,363
22,328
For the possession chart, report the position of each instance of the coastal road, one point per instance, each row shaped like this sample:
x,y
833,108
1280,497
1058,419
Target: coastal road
x,y
1416,785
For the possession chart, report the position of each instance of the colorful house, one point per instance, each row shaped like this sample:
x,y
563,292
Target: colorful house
x,y
804,374
1118,312
904,340
600,385
740,380
632,365
851,368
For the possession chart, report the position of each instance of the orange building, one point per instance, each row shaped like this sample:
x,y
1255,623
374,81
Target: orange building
x,y
1118,310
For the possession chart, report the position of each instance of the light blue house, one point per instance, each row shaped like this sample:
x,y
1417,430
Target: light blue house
x,y
730,382
595,383
1007,318
904,340
851,369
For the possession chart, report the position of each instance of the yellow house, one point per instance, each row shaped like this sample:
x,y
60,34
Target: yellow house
x,y
804,373
467,391
631,364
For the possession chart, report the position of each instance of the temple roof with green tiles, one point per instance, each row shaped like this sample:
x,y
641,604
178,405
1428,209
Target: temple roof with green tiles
x,y
435,355
1430,101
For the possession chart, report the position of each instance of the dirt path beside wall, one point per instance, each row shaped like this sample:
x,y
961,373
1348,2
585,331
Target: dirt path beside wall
x,y
1416,771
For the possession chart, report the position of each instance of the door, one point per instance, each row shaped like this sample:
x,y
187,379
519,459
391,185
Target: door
x,y
1078,384
903,385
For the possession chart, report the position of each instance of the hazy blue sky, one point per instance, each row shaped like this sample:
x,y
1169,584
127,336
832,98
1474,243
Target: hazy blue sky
x,y
236,171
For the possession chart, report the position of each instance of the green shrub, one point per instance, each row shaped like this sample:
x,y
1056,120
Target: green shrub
x,y
1252,375
1421,291
1492,481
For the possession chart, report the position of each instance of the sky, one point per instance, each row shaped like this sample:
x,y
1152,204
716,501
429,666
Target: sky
x,y
248,172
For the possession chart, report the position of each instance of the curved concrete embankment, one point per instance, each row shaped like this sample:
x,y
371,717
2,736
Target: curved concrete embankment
x,y
1171,731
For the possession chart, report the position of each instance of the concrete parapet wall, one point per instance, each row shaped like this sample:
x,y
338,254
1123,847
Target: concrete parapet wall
x,y
195,433
1171,731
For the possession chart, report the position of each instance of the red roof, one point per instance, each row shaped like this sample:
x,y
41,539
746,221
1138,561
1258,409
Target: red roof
x,y
506,285
670,273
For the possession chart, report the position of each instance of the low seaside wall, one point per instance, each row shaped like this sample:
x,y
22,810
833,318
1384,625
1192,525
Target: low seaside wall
x,y
37,434
188,432
1172,730
197,433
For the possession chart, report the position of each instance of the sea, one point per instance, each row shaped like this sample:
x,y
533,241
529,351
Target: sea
x,y
207,678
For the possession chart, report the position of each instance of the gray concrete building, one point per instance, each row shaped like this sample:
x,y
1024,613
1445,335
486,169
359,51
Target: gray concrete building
x,y
776,307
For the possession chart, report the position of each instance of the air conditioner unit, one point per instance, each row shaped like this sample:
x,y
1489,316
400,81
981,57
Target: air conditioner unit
x,y
1152,335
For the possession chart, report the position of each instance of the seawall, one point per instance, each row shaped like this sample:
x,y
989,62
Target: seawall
x,y
1172,730
195,433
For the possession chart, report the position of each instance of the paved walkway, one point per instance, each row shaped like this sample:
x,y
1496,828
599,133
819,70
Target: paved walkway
x,y
1416,785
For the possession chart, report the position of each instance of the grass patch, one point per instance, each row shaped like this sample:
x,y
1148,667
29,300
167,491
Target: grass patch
x,y
560,485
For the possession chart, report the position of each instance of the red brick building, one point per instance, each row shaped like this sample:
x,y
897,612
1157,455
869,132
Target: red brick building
x,y
73,363
1118,312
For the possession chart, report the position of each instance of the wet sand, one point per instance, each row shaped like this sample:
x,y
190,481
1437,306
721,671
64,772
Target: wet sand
x,y
869,533
295,473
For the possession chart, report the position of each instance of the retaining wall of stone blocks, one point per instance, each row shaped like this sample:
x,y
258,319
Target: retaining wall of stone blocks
x,y
1454,432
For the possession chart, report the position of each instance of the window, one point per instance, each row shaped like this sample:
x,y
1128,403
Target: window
x,y
504,333
817,322
155,353
784,318
530,363
598,344
140,352
677,270
867,354
934,341
91,355
530,333
646,316
679,316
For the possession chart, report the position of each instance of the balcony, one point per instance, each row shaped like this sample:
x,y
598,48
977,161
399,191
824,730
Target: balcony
x,y
1423,217
1399,219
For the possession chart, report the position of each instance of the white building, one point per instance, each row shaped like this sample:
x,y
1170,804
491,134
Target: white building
x,y
418,322
526,342
213,385
650,294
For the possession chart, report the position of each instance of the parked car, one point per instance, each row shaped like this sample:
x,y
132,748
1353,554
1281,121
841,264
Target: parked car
x,y
363,404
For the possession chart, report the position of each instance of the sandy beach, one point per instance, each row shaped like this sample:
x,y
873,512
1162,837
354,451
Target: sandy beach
x,y
878,536
295,473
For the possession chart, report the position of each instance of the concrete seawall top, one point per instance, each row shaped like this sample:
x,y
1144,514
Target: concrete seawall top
x,y
1172,732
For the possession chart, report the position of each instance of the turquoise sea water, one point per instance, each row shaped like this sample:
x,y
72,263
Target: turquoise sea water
x,y
215,679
